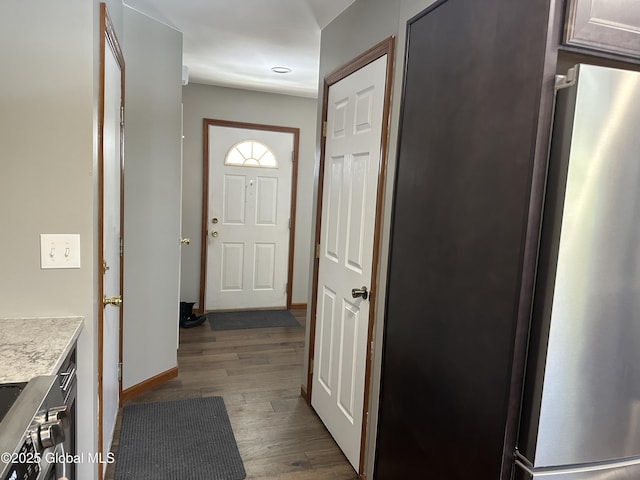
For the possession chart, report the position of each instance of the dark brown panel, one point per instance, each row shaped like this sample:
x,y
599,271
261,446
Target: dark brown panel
x,y
568,58
473,86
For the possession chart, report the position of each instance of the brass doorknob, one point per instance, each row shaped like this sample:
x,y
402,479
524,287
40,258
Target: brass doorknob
x,y
185,241
214,233
115,301
360,292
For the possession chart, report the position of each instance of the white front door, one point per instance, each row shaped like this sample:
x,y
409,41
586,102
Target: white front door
x,y
248,225
111,182
349,195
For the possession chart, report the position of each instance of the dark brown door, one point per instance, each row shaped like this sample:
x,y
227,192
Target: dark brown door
x,y
467,146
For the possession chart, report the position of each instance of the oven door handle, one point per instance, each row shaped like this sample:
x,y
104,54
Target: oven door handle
x,y
68,379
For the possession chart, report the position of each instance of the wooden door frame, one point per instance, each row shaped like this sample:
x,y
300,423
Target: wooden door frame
x,y
107,38
386,47
205,196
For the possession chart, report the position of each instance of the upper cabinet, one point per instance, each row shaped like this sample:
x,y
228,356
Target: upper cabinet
x,y
611,26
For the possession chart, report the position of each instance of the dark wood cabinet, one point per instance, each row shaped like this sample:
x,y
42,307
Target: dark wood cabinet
x,y
476,107
611,26
470,180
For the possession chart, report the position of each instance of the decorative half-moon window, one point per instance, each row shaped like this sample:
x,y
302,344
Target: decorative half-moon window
x,y
251,153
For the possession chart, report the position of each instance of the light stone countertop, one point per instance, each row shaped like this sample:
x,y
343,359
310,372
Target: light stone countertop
x,y
30,347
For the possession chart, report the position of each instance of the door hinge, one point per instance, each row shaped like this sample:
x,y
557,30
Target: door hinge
x,y
121,247
122,115
324,128
371,351
317,250
289,224
119,371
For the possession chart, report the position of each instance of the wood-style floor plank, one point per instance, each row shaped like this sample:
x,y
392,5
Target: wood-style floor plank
x,y
258,372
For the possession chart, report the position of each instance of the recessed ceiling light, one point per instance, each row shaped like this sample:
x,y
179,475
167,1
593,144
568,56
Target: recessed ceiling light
x,y
281,69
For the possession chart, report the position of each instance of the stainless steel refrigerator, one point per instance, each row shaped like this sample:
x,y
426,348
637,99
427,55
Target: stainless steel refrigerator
x,y
581,405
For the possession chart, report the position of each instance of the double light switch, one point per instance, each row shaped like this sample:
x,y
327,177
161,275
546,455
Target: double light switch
x,y
59,250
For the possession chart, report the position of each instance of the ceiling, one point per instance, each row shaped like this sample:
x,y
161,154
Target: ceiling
x,y
235,43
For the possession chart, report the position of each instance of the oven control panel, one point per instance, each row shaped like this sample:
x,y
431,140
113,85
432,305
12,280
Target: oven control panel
x,y
32,430
25,465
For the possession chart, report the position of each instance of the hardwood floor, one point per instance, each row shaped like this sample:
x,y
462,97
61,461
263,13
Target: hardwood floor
x,y
258,372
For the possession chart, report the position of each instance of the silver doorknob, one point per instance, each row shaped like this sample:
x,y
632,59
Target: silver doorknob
x,y
360,292
214,233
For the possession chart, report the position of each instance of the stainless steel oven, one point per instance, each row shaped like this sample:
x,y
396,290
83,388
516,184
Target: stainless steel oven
x,y
35,426
67,382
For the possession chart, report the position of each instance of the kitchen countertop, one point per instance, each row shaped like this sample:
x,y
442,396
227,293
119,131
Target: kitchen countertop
x,y
30,347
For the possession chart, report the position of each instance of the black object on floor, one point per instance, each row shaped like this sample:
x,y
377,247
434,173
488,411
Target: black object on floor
x,y
189,319
251,319
183,439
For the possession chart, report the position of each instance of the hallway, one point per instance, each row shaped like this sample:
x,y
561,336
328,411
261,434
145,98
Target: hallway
x,y
258,372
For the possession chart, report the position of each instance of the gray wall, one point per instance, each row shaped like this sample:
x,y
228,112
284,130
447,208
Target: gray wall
x,y
362,25
48,182
48,159
153,103
206,101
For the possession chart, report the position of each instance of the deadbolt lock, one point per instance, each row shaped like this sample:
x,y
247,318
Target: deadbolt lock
x,y
214,220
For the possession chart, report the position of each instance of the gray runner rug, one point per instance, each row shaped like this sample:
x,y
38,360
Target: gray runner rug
x,y
178,440
251,319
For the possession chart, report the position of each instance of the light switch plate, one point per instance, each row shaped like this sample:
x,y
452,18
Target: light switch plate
x,y
59,250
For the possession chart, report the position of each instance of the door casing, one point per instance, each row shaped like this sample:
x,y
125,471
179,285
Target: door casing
x,y
205,197
109,40
386,47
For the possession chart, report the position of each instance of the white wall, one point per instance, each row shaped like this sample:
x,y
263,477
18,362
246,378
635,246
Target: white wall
x,y
362,25
46,148
153,57
48,160
48,183
206,101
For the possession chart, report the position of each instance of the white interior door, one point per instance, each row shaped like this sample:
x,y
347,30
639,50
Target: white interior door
x,y
350,188
112,185
248,224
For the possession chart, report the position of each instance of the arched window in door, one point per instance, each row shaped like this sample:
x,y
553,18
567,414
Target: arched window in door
x,y
250,153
